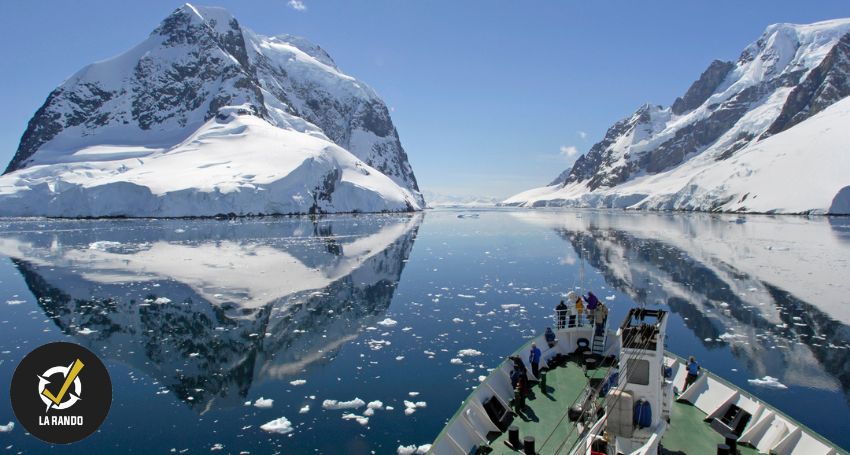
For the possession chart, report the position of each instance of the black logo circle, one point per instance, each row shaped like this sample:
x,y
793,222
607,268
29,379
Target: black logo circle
x,y
61,392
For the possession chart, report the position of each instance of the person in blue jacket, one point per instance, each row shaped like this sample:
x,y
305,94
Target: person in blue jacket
x,y
550,337
693,372
534,360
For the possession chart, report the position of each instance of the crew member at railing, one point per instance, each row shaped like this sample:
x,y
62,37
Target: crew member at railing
x,y
561,315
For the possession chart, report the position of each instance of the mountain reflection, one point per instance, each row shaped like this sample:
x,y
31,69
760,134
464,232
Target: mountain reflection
x,y
733,281
213,308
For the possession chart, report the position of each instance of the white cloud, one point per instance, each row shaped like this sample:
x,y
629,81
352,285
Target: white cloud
x,y
582,135
297,5
569,151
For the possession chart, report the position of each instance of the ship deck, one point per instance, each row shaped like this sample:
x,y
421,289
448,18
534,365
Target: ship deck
x,y
544,419
544,414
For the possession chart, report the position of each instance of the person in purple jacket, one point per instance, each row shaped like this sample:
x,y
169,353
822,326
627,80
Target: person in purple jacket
x,y
592,303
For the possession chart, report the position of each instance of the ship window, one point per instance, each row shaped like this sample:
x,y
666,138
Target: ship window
x,y
638,372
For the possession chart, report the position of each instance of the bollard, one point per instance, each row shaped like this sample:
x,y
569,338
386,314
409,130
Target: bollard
x,y
723,449
528,445
513,437
543,381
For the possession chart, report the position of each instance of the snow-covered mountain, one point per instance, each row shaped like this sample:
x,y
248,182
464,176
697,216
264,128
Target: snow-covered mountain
x,y
767,133
206,117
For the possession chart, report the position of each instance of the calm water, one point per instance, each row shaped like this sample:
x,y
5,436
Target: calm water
x,y
196,320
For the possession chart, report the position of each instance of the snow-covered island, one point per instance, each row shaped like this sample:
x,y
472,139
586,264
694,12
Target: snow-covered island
x,y
206,117
767,133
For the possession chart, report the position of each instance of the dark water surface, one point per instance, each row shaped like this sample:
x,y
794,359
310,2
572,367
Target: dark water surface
x,y
197,320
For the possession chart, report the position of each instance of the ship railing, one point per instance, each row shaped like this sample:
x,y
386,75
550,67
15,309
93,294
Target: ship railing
x,y
571,318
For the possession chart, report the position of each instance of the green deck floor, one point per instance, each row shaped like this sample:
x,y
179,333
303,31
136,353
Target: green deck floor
x,y
688,433
543,414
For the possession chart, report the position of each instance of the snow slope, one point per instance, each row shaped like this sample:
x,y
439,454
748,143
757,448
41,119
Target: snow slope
x,y
205,118
275,171
759,135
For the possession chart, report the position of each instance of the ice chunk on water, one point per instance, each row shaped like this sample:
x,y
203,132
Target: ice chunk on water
x,y
768,381
263,403
7,428
388,322
281,425
413,449
468,353
298,382
352,404
360,419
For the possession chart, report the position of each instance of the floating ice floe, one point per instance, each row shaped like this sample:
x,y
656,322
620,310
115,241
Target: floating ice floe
x,y
298,382
103,245
304,409
611,297
15,302
334,404
410,407
508,306
388,322
468,353
457,320
281,425
86,331
456,361
263,403
217,446
413,449
372,406
466,296
162,300
362,420
768,381
412,394
7,428
377,345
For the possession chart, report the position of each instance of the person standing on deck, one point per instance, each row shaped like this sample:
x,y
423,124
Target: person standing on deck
x,y
599,317
579,309
561,312
592,303
534,360
550,337
693,372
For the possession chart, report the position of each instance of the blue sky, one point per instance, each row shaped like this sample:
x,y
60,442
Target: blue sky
x,y
489,98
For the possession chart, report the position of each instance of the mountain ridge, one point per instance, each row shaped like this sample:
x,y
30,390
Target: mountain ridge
x,y
654,158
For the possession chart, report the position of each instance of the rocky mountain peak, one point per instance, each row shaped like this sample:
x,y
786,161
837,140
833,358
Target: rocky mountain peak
x,y
196,64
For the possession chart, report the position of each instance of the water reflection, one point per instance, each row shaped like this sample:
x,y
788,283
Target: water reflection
x,y
746,283
211,308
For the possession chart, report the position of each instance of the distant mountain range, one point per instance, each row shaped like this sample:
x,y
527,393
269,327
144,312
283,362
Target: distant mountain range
x,y
767,133
450,200
206,117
